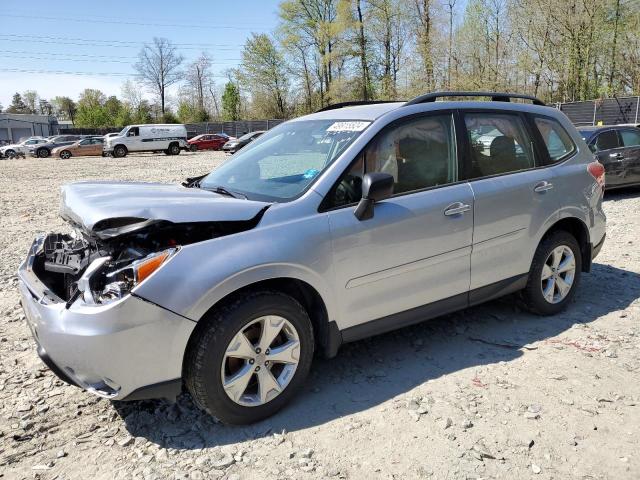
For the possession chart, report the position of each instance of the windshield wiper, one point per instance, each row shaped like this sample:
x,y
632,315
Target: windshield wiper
x,y
223,191
193,182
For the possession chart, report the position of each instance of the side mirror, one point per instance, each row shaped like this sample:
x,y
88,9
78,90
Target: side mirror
x,y
375,187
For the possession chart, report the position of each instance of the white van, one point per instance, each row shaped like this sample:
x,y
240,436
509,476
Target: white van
x,y
169,138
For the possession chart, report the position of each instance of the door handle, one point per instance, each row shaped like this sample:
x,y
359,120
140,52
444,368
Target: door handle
x,y
543,187
616,155
456,209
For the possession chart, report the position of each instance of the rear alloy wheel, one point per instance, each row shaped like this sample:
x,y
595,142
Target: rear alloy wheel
x,y
251,358
554,274
43,153
65,154
119,151
174,149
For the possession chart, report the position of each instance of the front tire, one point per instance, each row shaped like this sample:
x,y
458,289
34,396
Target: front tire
x,y
119,151
554,275
193,148
65,154
43,153
250,357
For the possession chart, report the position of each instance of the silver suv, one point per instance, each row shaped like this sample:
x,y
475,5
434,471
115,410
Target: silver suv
x,y
346,223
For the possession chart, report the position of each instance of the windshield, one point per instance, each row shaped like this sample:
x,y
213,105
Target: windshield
x,y
284,161
123,132
247,136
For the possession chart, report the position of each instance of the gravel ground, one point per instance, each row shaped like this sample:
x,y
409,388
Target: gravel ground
x,y
491,392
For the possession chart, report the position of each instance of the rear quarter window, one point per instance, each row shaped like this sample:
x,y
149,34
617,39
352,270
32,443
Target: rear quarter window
x,y
556,139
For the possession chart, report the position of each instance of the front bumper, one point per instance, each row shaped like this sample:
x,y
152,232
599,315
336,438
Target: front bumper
x,y
116,350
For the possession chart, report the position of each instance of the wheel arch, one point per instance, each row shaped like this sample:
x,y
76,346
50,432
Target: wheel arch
x,y
580,231
326,334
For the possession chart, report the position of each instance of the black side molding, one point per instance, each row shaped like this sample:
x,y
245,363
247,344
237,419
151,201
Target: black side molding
x,y
168,390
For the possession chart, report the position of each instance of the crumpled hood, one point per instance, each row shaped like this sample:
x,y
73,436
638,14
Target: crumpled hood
x,y
87,203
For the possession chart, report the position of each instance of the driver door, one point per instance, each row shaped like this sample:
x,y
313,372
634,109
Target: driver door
x,y
416,249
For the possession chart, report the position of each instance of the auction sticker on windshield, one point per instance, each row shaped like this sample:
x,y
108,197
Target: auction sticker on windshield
x,y
348,126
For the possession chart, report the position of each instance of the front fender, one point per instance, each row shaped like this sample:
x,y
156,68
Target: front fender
x,y
202,274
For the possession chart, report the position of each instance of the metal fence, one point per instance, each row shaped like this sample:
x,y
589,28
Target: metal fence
x,y
606,111
234,129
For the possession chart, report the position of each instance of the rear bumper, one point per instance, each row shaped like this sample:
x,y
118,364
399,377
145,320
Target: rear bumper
x,y
110,350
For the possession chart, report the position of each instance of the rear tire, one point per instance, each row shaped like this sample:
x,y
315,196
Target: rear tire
x,y
555,274
213,379
10,153
174,149
43,153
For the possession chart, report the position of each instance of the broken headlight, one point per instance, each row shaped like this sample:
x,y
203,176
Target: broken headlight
x,y
103,282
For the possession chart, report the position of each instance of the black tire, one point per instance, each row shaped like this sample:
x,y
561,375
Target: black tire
x,y
65,154
205,354
10,153
43,153
174,149
167,152
533,297
120,151
193,148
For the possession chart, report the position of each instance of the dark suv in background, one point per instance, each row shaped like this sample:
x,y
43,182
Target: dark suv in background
x,y
618,149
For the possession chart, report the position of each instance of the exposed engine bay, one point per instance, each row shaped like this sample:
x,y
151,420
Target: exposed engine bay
x,y
104,264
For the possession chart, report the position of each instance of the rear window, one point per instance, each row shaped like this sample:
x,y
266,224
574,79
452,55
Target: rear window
x,y
556,139
607,140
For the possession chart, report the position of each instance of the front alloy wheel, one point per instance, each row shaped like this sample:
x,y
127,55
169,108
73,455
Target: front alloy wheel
x,y
260,361
43,153
249,357
65,154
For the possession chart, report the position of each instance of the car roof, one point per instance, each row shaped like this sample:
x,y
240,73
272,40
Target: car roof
x,y
374,111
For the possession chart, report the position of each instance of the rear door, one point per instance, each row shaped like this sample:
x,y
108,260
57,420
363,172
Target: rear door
x,y
416,249
513,198
630,138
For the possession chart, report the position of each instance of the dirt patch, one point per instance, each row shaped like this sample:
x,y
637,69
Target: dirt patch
x,y
490,392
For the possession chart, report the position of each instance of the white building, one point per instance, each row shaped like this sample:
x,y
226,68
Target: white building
x,y
16,126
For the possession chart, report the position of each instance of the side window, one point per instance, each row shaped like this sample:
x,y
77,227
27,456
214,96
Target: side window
x,y
630,138
499,144
133,132
85,142
607,140
555,137
419,153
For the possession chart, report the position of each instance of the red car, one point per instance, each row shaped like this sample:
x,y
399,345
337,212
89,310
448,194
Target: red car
x,y
209,141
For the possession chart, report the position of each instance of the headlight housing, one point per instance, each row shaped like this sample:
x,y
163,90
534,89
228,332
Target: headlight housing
x,y
103,283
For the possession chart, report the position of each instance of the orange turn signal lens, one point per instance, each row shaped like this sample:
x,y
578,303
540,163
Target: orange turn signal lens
x,y
147,267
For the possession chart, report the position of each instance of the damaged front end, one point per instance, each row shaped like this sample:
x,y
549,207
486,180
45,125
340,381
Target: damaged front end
x,y
105,264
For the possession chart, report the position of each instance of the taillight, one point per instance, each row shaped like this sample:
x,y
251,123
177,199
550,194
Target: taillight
x,y
596,169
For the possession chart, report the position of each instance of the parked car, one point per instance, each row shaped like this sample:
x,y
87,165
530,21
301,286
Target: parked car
x,y
617,147
232,146
91,146
44,150
332,227
111,135
169,138
209,141
22,148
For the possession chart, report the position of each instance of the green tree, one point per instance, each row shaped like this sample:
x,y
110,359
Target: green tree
x,y
265,72
17,105
31,100
65,108
190,113
92,112
231,102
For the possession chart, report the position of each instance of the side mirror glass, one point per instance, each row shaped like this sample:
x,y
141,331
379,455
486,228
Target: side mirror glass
x,y
375,187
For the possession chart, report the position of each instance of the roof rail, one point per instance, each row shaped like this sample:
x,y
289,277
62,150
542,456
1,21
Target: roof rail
x,y
355,103
495,97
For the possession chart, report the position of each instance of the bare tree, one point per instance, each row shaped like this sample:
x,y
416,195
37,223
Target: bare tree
x,y
198,76
158,67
